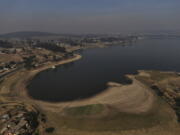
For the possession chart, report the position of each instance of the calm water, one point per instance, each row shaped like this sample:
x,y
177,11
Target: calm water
x,y
98,66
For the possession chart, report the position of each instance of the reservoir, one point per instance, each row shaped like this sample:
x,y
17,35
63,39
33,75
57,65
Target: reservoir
x,y
89,75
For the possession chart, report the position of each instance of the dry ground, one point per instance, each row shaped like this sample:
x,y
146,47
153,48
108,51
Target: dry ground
x,y
124,109
10,57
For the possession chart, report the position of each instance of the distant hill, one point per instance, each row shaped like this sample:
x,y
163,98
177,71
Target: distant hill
x,y
27,34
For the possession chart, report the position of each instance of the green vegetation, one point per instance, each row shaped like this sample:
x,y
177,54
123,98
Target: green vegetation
x,y
177,108
85,110
50,129
113,120
29,61
36,132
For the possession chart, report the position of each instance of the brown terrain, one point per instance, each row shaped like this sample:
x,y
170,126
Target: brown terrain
x,y
132,109
10,57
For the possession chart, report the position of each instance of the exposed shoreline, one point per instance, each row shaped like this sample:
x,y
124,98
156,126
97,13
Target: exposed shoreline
x,y
110,95
20,88
24,77
134,99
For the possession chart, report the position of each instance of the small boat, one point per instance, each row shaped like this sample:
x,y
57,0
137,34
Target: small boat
x,y
53,67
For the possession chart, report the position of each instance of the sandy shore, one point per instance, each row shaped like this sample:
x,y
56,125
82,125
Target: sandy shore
x,y
134,99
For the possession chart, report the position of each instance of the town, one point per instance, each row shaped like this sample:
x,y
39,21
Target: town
x,y
34,52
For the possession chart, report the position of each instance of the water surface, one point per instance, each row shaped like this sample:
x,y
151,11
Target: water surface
x,y
89,75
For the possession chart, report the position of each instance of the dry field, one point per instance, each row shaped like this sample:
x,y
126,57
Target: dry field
x,y
10,57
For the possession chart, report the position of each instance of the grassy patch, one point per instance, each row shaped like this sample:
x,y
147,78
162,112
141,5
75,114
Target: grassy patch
x,y
114,121
85,110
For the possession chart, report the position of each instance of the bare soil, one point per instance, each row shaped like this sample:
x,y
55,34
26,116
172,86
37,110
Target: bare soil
x,y
132,109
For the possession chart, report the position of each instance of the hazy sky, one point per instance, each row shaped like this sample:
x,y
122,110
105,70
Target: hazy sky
x,y
89,16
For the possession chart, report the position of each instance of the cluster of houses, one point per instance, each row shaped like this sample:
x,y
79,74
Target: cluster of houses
x,y
68,40
18,121
31,57
11,50
8,66
60,48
